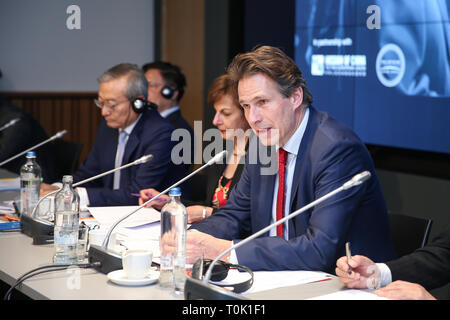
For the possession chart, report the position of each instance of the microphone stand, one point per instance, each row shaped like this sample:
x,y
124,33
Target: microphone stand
x,y
111,261
42,230
196,288
56,136
9,124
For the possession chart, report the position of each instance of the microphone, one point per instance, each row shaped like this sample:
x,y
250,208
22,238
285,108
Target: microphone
x,y
195,289
9,124
42,230
141,160
56,136
109,260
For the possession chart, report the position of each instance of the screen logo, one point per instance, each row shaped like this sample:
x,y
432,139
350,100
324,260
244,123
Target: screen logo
x,y
390,65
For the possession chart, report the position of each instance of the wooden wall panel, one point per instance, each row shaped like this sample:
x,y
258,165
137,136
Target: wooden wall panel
x,y
183,38
74,112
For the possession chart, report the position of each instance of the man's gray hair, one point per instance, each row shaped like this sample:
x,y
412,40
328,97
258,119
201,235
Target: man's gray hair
x,y
137,84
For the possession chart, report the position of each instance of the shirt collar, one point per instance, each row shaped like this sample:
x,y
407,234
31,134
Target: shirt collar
x,y
169,111
293,144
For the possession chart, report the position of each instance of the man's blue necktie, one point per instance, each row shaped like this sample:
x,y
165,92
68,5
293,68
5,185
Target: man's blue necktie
x,y
119,155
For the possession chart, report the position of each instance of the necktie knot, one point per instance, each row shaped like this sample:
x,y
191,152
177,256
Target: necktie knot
x,y
123,136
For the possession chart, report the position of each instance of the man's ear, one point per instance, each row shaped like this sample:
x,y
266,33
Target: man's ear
x,y
175,95
296,98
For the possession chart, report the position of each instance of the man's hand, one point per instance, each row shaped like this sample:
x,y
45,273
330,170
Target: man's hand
x,y
47,188
147,194
402,290
198,243
365,273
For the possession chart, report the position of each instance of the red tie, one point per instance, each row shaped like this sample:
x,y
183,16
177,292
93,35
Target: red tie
x,y
282,156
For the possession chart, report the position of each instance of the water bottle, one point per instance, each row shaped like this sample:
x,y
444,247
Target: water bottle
x,y
67,205
30,184
173,231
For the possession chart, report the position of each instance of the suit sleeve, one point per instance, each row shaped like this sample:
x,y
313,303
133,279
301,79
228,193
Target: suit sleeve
x,y
90,166
148,175
329,222
428,266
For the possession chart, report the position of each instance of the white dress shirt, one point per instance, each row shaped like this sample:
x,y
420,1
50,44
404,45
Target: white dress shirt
x,y
167,112
291,146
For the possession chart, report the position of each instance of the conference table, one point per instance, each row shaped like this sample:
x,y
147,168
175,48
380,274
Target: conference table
x,y
18,255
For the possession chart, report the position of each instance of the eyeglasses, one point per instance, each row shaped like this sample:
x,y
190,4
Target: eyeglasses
x,y
110,108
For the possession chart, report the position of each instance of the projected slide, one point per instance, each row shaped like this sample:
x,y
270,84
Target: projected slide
x,y
382,67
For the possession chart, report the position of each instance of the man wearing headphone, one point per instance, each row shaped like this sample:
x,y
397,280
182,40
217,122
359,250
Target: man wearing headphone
x,y
129,130
166,85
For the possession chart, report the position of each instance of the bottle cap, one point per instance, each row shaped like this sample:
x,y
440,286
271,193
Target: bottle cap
x,y
31,154
67,179
175,192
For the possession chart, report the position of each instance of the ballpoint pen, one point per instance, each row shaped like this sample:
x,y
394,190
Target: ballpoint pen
x,y
138,195
349,256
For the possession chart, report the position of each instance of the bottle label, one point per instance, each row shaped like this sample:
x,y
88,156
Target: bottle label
x,y
166,263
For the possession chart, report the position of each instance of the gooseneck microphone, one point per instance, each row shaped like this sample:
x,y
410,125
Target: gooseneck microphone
x,y
214,160
56,136
9,124
141,160
42,230
110,261
194,285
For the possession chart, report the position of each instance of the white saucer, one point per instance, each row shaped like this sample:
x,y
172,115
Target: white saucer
x,y
119,277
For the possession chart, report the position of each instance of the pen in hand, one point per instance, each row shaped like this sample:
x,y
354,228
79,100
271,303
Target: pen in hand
x,y
349,256
138,195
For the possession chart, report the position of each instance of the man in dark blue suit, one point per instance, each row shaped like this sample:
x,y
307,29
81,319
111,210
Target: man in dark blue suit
x,y
320,154
166,84
125,134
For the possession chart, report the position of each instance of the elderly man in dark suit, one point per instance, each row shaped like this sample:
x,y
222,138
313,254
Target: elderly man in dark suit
x,y
125,134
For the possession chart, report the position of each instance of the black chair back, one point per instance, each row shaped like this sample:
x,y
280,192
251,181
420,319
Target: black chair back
x,y
66,155
409,233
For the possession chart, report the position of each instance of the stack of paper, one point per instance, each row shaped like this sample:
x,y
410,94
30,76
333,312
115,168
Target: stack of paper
x,y
7,184
139,231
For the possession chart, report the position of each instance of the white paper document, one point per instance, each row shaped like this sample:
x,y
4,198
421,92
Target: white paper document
x,y
7,207
107,216
267,280
349,294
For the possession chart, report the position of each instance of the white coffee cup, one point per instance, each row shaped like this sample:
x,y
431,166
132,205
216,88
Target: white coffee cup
x,y
136,263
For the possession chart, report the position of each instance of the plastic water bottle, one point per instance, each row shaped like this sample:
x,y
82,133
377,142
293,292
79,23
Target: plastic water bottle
x,y
67,213
30,184
173,231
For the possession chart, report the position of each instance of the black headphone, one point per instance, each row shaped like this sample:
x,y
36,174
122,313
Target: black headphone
x,y
220,272
167,92
139,105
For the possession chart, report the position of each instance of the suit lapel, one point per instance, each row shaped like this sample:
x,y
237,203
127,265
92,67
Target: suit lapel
x,y
134,138
300,167
267,186
132,144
